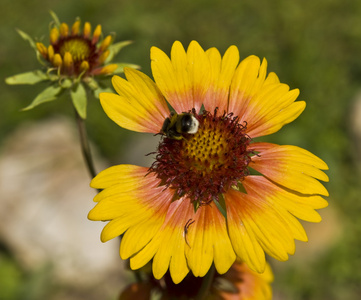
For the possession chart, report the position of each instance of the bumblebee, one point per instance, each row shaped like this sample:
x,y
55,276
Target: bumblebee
x,y
177,124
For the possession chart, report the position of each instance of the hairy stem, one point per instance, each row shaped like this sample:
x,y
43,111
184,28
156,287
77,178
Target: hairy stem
x,y
85,145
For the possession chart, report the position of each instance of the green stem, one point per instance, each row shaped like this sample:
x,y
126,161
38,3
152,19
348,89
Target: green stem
x,y
206,284
85,145
85,148
137,276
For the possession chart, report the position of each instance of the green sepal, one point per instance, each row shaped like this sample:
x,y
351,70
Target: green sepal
x,y
96,88
115,48
27,78
195,206
221,205
66,83
51,76
79,98
121,66
100,90
41,59
28,38
47,95
91,83
240,187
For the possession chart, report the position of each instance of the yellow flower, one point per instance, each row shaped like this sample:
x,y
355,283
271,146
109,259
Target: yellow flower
x,y
76,52
241,283
75,59
213,195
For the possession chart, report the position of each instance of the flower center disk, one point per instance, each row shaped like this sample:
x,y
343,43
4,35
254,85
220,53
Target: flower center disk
x,y
78,48
206,164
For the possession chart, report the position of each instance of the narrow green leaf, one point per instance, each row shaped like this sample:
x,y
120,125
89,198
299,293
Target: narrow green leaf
x,y
28,38
115,48
79,98
121,67
49,94
55,18
27,78
221,205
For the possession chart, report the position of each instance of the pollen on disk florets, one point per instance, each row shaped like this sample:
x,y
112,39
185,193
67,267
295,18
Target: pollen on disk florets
x,y
204,165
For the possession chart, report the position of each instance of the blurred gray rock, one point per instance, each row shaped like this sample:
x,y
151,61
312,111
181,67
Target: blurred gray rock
x,y
45,199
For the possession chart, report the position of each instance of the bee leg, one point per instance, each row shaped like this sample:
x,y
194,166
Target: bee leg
x,y
186,228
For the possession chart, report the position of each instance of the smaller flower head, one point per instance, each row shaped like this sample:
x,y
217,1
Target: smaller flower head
x,y
241,283
75,56
76,51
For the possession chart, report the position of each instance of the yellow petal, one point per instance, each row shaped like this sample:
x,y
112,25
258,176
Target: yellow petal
x,y
242,237
111,176
168,243
42,49
209,241
50,53
174,241
301,206
264,104
87,30
119,225
199,72
200,251
96,34
68,61
57,60
103,56
172,78
271,109
141,258
75,29
108,69
128,201
263,221
152,99
272,78
54,35
64,30
140,235
139,106
290,166
222,71
246,82
122,112
106,43
184,79
178,265
84,66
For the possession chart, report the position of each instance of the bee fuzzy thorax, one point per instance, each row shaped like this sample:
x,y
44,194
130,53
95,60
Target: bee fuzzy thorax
x,y
178,124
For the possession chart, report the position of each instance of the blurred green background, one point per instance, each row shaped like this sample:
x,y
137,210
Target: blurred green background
x,y
311,45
